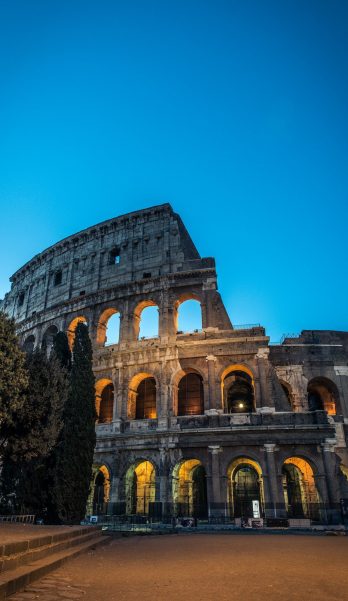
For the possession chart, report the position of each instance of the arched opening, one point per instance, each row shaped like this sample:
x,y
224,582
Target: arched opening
x,y
300,492
190,489
142,397
105,402
29,344
145,406
287,391
140,488
48,337
101,490
108,329
191,395
246,496
72,327
146,320
238,390
323,396
188,316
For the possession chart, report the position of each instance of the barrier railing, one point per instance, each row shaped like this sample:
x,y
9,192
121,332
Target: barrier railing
x,y
21,519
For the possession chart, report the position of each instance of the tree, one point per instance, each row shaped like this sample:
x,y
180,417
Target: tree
x,y
13,378
33,435
74,460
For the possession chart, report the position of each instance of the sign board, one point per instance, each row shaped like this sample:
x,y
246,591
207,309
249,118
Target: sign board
x,y
93,519
256,509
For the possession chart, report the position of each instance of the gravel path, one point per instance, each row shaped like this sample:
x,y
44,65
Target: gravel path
x,y
205,568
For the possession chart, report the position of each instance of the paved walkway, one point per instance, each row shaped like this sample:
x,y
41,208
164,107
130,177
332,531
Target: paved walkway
x,y
217,567
13,533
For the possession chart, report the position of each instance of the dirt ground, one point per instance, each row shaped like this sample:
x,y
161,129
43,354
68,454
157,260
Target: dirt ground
x,y
204,567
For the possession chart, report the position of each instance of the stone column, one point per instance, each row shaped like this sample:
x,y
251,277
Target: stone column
x,y
215,501
118,390
212,401
265,400
329,459
276,497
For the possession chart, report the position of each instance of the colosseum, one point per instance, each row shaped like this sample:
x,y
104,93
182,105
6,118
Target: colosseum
x,y
214,422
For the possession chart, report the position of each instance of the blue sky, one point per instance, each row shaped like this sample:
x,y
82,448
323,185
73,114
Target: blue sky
x,y
234,112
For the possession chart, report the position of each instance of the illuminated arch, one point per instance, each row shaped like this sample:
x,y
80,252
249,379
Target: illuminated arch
x,y
323,395
103,335
140,487
101,489
238,389
104,397
190,394
72,327
300,491
245,486
190,489
142,396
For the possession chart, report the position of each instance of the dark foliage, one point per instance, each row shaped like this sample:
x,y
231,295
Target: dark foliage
x,y
74,457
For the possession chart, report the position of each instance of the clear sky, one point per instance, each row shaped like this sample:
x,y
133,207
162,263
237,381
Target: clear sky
x,y
235,112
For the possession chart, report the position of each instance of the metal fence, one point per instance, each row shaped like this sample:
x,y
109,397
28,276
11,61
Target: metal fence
x,y
20,519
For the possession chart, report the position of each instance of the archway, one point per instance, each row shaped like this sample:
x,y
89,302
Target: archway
x,y
108,329
191,394
300,492
104,400
246,495
288,392
323,396
190,489
238,390
140,488
72,327
101,490
105,404
29,344
188,315
146,320
48,337
142,397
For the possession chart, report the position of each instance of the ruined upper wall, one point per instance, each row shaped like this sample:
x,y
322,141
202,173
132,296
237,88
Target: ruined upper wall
x,y
140,245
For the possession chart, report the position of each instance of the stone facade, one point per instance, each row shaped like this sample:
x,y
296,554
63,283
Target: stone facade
x,y
281,442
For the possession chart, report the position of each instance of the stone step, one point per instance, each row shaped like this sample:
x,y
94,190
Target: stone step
x,y
16,579
22,552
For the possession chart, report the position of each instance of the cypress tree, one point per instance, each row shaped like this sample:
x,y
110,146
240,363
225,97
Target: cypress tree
x,y
13,378
73,469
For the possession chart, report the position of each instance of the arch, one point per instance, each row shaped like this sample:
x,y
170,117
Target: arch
x,y
101,489
29,344
142,397
72,327
108,328
140,487
49,336
104,400
323,395
190,394
146,325
190,489
245,486
300,491
287,391
188,314
237,389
